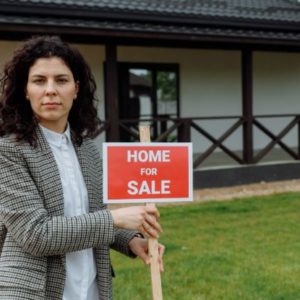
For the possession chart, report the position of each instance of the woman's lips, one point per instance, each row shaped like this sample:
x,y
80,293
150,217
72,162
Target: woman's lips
x,y
51,104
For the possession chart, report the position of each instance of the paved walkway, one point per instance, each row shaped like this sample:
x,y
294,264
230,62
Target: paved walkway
x,y
257,189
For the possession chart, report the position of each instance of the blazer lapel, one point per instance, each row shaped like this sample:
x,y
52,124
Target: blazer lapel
x,y
85,163
47,166
50,182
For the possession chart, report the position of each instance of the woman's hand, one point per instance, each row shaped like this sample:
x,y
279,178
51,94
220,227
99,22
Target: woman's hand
x,y
141,218
139,247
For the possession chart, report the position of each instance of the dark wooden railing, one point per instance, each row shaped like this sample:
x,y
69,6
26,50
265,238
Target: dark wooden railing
x,y
180,130
217,142
277,139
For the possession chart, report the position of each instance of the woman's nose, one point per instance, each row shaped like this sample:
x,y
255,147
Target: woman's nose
x,y
50,88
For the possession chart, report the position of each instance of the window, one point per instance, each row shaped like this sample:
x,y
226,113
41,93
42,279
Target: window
x,y
148,93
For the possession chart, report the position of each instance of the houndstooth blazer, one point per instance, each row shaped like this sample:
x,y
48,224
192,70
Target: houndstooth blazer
x,y
35,235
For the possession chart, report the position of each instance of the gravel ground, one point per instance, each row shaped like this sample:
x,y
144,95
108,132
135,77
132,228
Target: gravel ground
x,y
257,189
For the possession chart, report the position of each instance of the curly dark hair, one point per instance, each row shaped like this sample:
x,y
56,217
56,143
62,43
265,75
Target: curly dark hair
x,y
16,115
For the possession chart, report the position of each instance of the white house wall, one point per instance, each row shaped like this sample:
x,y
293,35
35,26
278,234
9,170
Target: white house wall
x,y
210,85
6,51
276,91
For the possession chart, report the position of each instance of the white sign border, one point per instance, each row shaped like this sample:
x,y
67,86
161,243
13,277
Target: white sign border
x,y
152,200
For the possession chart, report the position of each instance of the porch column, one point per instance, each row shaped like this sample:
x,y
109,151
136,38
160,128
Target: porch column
x,y
247,101
111,93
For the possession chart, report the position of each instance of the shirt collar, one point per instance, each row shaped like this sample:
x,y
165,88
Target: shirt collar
x,y
55,138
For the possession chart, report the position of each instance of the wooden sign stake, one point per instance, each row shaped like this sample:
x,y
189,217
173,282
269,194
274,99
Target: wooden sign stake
x,y
152,243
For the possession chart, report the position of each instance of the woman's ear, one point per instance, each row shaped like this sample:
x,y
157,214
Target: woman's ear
x,y
26,93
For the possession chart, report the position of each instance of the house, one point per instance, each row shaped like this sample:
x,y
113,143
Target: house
x,y
223,74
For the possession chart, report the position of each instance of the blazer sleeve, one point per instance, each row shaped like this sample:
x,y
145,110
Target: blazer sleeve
x,y
122,239
122,236
25,218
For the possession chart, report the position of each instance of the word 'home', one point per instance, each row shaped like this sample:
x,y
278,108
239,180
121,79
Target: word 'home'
x,y
148,156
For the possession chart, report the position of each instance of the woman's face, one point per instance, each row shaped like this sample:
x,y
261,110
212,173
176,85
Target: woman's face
x,y
51,90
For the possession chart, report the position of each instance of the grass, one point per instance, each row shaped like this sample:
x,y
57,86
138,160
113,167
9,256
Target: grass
x,y
242,249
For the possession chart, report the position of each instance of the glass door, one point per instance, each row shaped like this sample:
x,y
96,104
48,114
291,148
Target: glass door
x,y
148,94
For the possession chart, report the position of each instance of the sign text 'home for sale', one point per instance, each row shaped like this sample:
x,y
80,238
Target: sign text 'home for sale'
x,y
147,172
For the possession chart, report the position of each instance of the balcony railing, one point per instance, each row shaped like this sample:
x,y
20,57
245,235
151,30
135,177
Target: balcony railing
x,y
186,129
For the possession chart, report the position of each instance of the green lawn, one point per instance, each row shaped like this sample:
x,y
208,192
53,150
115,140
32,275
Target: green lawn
x,y
245,249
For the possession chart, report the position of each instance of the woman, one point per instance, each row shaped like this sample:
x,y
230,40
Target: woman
x,y
55,233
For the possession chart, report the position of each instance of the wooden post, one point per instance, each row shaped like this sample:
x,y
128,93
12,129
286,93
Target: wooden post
x,y
111,93
152,243
247,105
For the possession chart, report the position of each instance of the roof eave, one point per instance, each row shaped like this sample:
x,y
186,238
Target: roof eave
x,y
139,16
124,37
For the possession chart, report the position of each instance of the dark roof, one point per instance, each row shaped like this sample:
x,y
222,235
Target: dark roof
x,y
277,20
268,10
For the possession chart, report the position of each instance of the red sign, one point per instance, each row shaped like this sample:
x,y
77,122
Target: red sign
x,y
147,172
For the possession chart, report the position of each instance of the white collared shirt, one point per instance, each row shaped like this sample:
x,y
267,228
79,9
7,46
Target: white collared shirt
x,y
80,265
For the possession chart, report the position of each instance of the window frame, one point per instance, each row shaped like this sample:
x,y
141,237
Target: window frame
x,y
154,68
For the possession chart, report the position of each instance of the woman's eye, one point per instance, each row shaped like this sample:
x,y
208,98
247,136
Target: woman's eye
x,y
38,81
62,80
